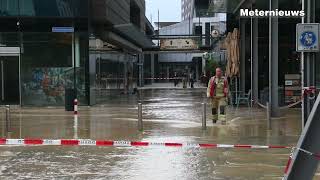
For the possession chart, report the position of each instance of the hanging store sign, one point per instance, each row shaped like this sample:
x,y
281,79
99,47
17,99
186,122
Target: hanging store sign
x,y
63,29
9,50
307,37
215,33
178,44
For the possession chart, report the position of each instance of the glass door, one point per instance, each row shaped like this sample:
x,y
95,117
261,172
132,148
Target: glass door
x,y
9,80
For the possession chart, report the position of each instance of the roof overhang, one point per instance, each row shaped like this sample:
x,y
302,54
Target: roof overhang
x,y
134,34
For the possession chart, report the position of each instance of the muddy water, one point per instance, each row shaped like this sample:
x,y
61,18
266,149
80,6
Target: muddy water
x,y
169,116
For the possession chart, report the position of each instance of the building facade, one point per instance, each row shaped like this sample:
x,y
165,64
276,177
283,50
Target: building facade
x,y
197,24
47,47
187,7
257,55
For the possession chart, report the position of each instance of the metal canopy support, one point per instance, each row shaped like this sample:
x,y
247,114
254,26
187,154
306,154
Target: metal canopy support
x,y
203,60
273,61
243,55
152,67
255,60
309,65
303,165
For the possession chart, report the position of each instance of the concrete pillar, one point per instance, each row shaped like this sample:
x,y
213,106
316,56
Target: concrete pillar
x,y
152,68
140,65
273,62
255,60
75,50
243,54
125,72
197,71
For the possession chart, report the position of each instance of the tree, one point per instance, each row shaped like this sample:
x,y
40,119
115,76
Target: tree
x,y
211,65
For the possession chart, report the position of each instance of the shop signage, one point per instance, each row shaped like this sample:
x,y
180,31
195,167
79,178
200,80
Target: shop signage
x,y
307,37
178,44
63,29
9,50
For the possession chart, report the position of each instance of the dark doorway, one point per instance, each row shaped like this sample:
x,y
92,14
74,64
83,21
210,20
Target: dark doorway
x,y
9,80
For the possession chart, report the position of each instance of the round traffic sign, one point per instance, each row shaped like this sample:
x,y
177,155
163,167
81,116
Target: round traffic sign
x,y
308,39
215,33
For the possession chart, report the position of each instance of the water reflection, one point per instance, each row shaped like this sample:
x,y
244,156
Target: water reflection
x,y
170,116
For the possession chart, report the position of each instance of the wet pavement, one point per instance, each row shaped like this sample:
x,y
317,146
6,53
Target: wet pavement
x,y
169,116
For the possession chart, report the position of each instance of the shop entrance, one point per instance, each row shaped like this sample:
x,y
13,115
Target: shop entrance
x,y
9,78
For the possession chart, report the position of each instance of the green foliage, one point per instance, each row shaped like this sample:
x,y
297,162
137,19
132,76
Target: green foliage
x,y
211,65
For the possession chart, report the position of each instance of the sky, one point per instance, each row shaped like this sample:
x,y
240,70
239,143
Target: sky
x,y
170,10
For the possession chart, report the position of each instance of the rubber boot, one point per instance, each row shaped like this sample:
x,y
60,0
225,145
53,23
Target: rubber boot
x,y
214,115
223,115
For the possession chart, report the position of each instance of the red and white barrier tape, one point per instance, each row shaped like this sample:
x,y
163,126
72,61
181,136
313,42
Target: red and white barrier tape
x,y
88,142
286,170
178,78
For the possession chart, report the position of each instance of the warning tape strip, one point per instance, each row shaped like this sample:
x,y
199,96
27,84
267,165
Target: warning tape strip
x,y
163,78
89,142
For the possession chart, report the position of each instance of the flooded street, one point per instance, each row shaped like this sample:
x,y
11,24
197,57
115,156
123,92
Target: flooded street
x,y
169,116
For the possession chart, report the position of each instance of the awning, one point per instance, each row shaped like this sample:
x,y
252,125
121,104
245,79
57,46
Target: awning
x,y
135,34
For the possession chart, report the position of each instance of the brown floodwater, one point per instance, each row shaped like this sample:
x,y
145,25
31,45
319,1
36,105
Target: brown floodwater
x,y
169,116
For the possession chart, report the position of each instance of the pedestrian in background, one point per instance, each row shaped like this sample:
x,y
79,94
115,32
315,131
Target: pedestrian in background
x,y
191,80
184,80
175,79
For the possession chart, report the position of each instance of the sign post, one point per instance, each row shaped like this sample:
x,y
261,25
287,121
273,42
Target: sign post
x,y
307,42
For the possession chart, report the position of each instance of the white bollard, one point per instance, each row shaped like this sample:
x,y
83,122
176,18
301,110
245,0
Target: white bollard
x,y
75,106
268,116
75,113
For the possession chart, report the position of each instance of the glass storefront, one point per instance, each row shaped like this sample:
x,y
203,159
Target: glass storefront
x,y
49,62
47,67
52,62
112,74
